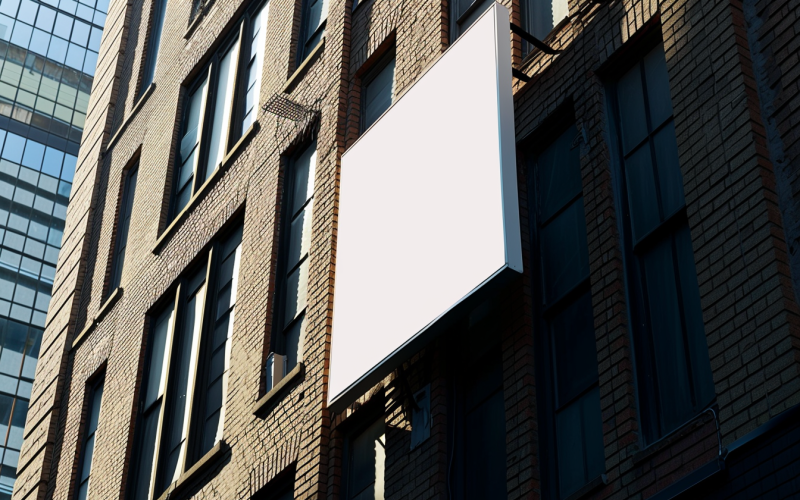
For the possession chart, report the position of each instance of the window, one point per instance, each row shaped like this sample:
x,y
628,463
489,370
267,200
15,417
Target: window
x,y
366,456
87,451
478,429
569,398
192,335
314,15
673,369
290,304
539,17
378,91
153,43
118,258
216,114
464,13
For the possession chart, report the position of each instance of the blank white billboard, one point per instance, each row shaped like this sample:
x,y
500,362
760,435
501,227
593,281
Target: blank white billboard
x,y
428,209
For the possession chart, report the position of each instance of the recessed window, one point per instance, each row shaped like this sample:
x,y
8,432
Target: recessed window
x,y
366,458
87,450
478,430
290,305
181,410
570,428
673,368
539,17
314,16
153,43
464,13
123,226
216,113
377,91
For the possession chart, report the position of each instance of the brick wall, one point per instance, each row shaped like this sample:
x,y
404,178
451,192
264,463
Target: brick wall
x,y
733,75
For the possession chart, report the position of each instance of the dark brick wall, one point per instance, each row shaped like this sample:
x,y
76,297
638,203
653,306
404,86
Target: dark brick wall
x,y
733,73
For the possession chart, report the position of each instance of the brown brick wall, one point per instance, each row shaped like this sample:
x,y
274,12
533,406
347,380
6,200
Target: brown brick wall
x,y
720,56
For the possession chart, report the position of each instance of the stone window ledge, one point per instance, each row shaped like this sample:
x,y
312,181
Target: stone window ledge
x,y
197,471
107,305
303,68
672,438
206,187
129,118
590,487
270,399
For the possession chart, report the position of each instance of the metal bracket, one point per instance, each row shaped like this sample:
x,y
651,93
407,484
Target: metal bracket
x,y
517,30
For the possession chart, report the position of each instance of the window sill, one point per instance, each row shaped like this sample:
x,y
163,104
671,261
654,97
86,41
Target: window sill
x,y
134,111
107,305
671,438
197,19
590,487
276,393
196,472
303,68
200,194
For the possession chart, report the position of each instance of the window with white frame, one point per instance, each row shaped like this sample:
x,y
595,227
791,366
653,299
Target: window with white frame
x,y
220,106
185,381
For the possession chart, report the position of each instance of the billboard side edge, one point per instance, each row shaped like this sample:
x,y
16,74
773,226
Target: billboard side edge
x,y
508,156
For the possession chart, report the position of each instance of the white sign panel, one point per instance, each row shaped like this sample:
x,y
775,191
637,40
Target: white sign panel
x,y
428,209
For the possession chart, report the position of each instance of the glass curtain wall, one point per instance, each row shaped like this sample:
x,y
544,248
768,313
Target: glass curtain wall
x,y
48,54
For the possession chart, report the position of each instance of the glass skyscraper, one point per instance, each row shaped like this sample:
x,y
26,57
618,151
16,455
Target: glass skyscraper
x,y
48,53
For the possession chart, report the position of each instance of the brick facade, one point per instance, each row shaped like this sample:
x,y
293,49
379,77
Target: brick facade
x,y
733,71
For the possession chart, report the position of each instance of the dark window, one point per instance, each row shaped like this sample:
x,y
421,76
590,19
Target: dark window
x,y
281,488
464,13
673,368
191,337
378,91
539,17
123,225
478,450
314,15
153,43
569,400
87,450
215,114
366,457
290,305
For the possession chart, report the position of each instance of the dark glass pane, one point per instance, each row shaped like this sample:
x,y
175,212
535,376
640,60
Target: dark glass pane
x,y
378,94
94,411
293,342
485,450
153,43
17,424
303,182
633,124
155,366
698,345
299,236
144,463
559,174
593,432
657,79
575,349
466,23
670,181
565,261
569,440
86,464
642,197
5,415
314,17
668,343
367,453
579,435
295,297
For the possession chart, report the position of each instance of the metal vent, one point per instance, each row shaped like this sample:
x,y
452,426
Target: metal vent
x,y
285,108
